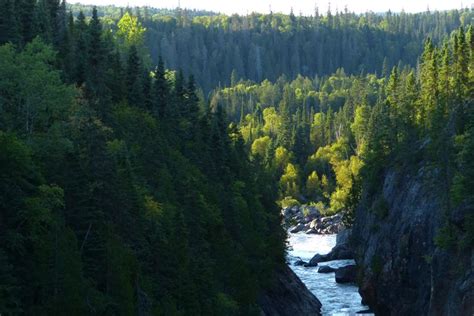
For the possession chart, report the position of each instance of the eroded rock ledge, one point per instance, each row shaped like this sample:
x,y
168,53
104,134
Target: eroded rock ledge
x,y
288,297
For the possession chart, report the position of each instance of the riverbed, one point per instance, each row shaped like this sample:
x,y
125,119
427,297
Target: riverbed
x,y
337,299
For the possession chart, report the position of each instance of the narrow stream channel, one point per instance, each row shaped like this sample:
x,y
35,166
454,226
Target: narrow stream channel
x,y
337,299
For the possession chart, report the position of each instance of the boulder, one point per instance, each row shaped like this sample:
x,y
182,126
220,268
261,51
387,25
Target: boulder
x,y
326,269
312,211
299,262
286,213
295,210
314,223
298,228
316,259
346,274
339,252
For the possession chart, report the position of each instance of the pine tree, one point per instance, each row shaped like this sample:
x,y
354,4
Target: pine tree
x,y
61,36
9,30
135,94
192,102
429,86
160,91
115,77
179,91
60,26
96,49
380,142
96,59
407,111
461,78
393,99
27,20
80,50
301,144
285,132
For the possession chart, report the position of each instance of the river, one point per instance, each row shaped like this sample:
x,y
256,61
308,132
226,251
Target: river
x,y
337,299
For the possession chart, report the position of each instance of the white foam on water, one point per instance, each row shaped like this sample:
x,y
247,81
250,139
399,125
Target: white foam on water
x,y
337,299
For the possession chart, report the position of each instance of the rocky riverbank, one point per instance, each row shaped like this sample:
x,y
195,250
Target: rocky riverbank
x,y
309,219
336,299
288,297
342,250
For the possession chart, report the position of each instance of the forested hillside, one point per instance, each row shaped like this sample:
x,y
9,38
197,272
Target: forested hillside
x,y
120,192
145,12
329,140
220,49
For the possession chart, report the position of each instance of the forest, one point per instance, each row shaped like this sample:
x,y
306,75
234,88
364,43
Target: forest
x,y
144,153
121,192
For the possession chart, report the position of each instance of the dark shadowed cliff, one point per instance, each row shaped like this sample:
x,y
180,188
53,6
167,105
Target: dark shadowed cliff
x,y
288,297
402,271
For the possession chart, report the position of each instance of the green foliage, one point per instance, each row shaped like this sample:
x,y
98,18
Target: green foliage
x,y
33,96
360,127
260,146
313,185
289,181
130,32
123,192
120,192
324,209
306,45
288,202
282,157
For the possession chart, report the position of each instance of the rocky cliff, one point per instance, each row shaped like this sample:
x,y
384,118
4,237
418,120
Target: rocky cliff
x,y
288,297
401,270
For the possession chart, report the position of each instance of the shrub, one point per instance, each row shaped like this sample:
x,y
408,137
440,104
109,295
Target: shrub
x,y
289,202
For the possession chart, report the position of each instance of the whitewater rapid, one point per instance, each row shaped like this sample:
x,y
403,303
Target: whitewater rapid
x,y
337,299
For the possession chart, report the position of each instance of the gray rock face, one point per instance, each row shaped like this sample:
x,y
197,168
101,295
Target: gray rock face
x,y
288,297
343,237
401,270
346,274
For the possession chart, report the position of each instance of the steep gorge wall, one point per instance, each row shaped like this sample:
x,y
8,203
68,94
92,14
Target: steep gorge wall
x,y
288,297
401,271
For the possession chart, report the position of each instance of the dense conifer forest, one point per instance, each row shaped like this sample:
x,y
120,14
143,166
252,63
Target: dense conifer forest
x,y
121,192
144,153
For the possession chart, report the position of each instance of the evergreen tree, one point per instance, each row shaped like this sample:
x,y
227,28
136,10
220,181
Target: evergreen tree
x,y
27,20
80,50
160,91
135,94
192,100
285,133
9,29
